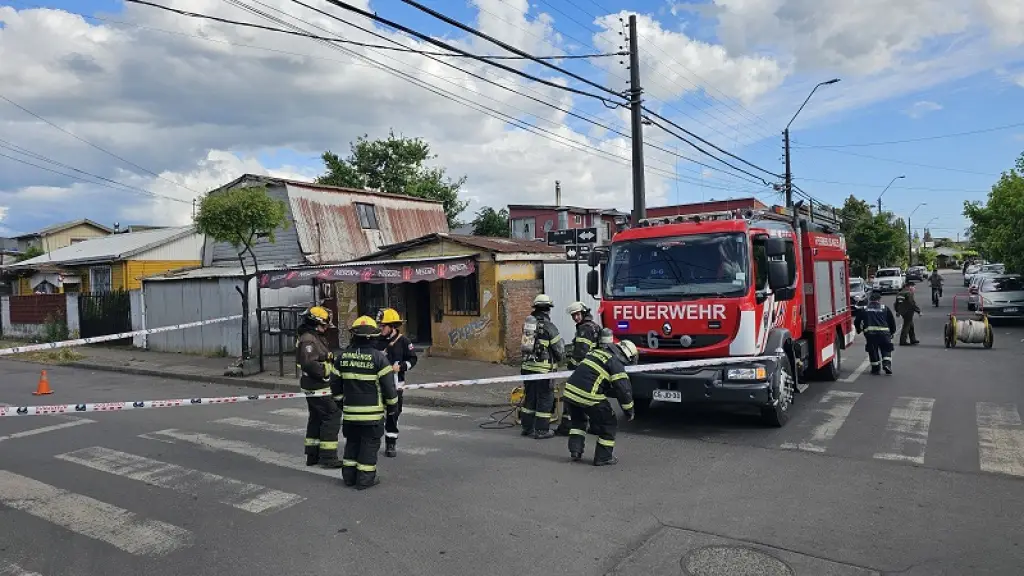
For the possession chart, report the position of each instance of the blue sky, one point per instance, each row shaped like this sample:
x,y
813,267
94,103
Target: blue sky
x,y
943,172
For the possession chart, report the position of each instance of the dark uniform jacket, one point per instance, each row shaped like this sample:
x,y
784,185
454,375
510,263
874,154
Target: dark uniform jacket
x,y
587,333
905,303
549,350
600,375
368,384
400,349
875,318
313,358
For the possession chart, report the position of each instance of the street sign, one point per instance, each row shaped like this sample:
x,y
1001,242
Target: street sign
x,y
586,236
562,237
574,252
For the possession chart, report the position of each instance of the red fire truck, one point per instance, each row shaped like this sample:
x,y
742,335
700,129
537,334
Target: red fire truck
x,y
716,285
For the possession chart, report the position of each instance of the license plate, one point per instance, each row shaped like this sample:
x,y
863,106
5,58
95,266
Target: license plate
x,y
668,396
1011,310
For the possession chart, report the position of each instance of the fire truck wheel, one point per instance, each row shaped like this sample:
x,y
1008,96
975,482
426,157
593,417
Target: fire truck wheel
x,y
777,415
830,371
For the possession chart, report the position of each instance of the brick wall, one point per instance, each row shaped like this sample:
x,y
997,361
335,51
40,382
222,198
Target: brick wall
x,y
515,304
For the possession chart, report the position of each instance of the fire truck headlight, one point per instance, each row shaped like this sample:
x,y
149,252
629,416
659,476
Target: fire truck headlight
x,y
758,373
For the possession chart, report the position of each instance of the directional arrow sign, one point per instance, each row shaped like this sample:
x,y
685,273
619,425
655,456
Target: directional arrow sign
x,y
562,237
572,253
586,235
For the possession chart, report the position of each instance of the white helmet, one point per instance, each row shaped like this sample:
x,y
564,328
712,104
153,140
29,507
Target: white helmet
x,y
542,301
629,351
576,307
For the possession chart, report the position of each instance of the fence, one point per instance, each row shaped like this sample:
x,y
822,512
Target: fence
x,y
29,316
560,286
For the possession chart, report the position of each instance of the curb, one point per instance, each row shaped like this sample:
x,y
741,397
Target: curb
x,y
409,398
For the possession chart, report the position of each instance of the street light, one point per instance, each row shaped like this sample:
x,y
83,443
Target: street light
x,y
910,235
785,137
886,188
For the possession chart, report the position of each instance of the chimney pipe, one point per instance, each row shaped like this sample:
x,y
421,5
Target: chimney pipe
x,y
558,193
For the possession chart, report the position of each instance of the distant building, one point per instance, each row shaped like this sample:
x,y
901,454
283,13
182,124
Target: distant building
x,y
61,235
710,206
534,221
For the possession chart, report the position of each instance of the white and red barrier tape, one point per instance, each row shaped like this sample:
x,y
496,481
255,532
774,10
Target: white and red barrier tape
x,y
181,402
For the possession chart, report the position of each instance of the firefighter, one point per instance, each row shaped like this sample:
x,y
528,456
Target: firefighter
x,y
402,357
543,356
878,324
587,332
602,374
906,307
314,359
368,394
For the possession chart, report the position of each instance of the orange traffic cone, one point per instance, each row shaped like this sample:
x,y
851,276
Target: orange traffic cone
x,y
44,385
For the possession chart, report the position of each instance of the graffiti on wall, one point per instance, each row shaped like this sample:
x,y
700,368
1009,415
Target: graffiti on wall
x,y
469,331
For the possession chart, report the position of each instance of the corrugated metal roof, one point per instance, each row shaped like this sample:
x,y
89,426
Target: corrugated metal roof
x,y
107,248
485,243
54,228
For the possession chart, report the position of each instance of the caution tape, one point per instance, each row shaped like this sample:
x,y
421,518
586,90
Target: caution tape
x,y
183,402
110,337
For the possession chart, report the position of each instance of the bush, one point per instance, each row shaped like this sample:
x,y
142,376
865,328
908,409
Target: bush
x,y
55,329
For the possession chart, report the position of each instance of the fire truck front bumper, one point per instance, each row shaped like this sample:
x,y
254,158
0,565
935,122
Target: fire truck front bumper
x,y
747,383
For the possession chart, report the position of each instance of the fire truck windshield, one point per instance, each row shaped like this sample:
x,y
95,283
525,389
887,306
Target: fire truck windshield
x,y
678,267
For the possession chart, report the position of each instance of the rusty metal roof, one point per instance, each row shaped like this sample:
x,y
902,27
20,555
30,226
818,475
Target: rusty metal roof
x,y
484,243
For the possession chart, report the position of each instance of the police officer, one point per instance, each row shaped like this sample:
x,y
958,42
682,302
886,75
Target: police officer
x,y
368,393
547,353
600,375
587,333
402,357
314,359
878,324
906,307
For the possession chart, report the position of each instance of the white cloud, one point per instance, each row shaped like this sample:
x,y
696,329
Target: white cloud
x,y
1006,17
922,108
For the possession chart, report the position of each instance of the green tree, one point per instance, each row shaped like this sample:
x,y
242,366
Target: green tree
x,y
997,226
878,241
927,257
241,215
395,165
489,222
31,252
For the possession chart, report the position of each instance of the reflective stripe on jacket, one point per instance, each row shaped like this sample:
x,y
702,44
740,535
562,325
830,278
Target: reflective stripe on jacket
x,y
368,383
600,375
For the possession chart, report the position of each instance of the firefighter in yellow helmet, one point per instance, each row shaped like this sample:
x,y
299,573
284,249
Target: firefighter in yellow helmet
x,y
402,356
321,387
587,332
543,350
368,394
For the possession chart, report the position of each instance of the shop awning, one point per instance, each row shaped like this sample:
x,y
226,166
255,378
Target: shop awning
x,y
379,272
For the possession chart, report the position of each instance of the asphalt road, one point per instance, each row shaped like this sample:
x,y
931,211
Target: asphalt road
x,y
918,473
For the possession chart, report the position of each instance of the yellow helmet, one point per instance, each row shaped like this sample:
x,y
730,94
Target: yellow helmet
x,y
389,316
319,315
365,326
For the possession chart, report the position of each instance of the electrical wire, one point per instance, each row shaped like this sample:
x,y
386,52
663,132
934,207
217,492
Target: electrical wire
x,y
875,185
922,139
363,44
703,151
904,162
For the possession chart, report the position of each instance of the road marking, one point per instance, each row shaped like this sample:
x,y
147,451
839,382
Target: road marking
x,y
836,407
857,372
242,495
292,412
260,425
1000,438
46,429
92,518
12,569
415,411
906,433
290,461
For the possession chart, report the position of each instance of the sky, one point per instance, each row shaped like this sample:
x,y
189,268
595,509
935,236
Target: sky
x,y
123,112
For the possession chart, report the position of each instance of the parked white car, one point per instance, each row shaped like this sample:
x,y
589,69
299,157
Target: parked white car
x,y
889,280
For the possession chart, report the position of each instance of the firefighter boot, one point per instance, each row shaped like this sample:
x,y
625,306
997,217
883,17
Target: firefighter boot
x,y
611,461
887,366
391,447
312,459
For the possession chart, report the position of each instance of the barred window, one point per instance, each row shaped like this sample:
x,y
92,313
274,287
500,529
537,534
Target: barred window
x,y
463,295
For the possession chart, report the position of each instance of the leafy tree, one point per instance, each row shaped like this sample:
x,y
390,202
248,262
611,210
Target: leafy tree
x,y
489,222
871,239
395,165
997,227
927,257
927,235
31,252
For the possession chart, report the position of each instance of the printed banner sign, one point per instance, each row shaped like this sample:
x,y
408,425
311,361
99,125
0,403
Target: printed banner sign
x,y
372,273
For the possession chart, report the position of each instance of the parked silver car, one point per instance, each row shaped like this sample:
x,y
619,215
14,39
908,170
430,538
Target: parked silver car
x,y
858,292
1001,296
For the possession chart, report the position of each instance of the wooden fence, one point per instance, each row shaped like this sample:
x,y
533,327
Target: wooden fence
x,y
35,308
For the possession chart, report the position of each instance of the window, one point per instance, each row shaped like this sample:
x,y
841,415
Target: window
x,y
99,279
578,218
370,298
463,295
367,216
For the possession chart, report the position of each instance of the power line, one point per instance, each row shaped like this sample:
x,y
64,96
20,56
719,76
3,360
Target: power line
x,y
364,44
875,185
96,146
922,139
905,162
699,149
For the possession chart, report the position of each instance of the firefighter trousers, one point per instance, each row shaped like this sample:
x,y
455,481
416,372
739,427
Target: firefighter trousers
x,y
603,423
391,421
879,348
539,401
322,429
359,461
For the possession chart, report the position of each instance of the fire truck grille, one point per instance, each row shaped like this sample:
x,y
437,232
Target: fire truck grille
x,y
673,342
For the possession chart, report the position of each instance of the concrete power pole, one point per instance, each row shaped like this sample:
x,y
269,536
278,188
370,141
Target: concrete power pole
x,y
637,129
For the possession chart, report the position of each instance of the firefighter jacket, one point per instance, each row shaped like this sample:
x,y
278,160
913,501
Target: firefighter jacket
x,y
587,333
905,303
367,384
875,318
399,349
313,358
548,348
600,374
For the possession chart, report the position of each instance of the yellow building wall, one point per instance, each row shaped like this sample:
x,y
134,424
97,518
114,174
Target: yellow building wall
x,y
117,276
63,238
471,337
23,286
519,271
442,248
136,269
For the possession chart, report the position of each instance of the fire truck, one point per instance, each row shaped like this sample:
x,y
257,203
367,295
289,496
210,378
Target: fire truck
x,y
768,287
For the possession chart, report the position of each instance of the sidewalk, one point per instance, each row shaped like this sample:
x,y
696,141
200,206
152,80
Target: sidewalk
x,y
205,369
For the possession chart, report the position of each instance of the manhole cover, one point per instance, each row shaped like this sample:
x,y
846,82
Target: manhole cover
x,y
733,561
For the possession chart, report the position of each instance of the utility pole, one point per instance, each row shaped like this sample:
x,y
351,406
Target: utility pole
x,y
879,204
637,129
789,171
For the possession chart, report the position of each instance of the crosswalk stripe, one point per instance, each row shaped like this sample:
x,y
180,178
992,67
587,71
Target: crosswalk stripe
x,y
292,412
416,411
290,461
1000,438
12,569
836,407
242,495
261,425
45,429
906,434
92,518
857,372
